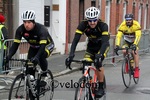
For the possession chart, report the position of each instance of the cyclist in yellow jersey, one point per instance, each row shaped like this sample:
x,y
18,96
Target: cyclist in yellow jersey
x,y
130,30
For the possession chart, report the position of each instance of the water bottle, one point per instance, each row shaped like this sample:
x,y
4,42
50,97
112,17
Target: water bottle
x,y
31,78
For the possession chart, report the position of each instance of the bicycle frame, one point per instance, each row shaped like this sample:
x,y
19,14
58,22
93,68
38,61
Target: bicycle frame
x,y
25,75
86,75
127,70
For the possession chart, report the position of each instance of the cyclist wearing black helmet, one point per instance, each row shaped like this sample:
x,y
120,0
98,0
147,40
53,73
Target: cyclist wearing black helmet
x,y
98,43
36,34
130,29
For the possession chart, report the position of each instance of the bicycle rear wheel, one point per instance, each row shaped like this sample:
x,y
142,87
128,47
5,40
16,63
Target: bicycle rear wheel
x,y
126,73
82,92
47,92
18,90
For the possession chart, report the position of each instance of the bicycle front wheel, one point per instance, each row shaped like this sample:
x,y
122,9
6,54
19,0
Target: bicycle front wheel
x,y
82,92
47,93
18,89
126,73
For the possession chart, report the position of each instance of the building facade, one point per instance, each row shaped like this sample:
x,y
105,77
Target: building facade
x,y
61,17
112,12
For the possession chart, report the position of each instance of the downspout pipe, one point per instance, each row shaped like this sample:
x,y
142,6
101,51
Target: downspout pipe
x,y
67,26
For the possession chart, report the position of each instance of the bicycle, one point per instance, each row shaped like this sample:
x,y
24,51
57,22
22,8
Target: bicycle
x,y
30,88
88,82
127,67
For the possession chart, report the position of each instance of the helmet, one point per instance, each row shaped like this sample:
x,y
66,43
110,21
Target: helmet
x,y
129,16
28,15
92,13
2,18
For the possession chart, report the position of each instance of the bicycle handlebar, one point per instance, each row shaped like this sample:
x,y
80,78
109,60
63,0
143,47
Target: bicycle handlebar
x,y
126,48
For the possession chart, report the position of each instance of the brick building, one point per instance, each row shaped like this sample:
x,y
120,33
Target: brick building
x,y
112,12
6,10
65,15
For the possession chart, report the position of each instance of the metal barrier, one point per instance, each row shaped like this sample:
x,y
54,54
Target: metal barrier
x,y
21,53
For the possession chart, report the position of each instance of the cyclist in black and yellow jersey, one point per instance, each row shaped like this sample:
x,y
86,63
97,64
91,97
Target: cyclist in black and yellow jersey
x,y
98,43
130,29
36,34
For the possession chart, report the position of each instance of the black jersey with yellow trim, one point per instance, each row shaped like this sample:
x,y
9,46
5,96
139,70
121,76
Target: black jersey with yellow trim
x,y
93,33
38,35
96,35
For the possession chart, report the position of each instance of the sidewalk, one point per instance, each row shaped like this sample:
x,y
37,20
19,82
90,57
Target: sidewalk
x,y
57,63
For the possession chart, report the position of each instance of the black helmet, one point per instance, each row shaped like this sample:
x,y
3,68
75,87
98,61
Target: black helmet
x,y
129,16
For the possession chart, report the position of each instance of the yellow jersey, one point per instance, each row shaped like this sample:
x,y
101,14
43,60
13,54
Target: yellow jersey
x,y
130,34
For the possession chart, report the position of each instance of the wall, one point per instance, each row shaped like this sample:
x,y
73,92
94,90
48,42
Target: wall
x,y
22,5
59,25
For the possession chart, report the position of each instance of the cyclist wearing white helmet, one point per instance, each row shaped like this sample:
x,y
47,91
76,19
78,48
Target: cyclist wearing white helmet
x,y
41,43
28,15
98,43
92,13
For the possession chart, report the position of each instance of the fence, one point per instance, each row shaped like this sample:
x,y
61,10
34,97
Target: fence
x,y
23,49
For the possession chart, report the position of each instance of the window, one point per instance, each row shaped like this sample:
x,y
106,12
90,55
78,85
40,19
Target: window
x,y
93,3
133,8
81,10
107,13
124,9
140,13
145,16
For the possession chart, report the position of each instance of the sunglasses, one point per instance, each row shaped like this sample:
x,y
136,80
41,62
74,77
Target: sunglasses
x,y
92,20
128,19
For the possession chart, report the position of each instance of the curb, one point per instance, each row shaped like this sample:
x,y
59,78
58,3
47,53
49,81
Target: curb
x,y
67,71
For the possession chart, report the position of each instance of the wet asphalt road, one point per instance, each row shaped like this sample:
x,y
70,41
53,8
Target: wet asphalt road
x,y
115,88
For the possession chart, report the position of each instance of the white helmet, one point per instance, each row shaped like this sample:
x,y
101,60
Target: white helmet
x,y
92,13
28,15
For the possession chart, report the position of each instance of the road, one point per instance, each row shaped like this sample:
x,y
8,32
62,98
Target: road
x,y
115,87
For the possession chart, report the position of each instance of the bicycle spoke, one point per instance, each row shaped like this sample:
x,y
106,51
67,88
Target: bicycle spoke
x,y
81,92
46,92
18,89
